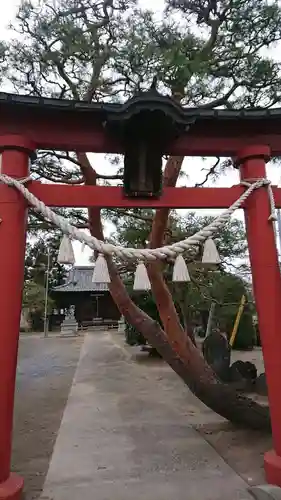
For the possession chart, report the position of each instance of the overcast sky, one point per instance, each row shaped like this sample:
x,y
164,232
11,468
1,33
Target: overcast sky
x,y
192,165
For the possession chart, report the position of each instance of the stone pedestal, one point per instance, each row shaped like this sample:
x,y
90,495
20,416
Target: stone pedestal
x,y
121,325
69,326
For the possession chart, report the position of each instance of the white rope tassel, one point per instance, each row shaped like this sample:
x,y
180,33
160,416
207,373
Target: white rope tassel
x,y
180,271
210,253
66,253
101,273
141,282
273,216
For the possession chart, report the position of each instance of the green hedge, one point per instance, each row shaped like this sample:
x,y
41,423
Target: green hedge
x,y
246,337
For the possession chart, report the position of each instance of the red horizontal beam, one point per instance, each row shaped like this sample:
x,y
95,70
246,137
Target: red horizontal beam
x,y
54,195
223,146
71,133
61,195
97,142
110,197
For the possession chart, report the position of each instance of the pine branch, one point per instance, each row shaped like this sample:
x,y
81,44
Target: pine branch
x,y
123,213
209,173
110,177
221,101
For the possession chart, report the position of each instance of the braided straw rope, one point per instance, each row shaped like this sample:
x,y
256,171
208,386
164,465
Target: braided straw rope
x,y
149,254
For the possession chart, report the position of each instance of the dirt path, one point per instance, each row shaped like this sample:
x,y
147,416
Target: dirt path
x,y
45,373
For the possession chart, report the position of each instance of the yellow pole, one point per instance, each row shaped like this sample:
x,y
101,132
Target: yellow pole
x,y
237,321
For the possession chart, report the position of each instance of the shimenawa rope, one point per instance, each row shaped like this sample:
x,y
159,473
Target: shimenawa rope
x,y
133,253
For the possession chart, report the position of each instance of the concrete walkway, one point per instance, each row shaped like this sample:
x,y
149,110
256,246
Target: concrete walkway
x,y
120,440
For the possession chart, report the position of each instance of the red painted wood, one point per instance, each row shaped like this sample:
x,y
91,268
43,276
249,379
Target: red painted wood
x,y
55,195
69,131
218,145
16,142
272,466
109,197
12,488
266,282
12,248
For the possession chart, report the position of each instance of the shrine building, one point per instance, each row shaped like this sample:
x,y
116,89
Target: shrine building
x,y
92,301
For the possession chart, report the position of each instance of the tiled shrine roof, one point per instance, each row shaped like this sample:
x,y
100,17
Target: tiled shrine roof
x,y
79,279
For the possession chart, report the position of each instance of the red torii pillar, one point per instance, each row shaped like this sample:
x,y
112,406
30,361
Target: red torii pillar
x,y
13,213
267,291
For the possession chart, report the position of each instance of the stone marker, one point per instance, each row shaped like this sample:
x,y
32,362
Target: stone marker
x,y
243,374
216,351
243,369
251,370
261,385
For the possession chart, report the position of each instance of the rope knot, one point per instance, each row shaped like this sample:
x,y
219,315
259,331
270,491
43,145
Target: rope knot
x,y
258,181
264,182
10,181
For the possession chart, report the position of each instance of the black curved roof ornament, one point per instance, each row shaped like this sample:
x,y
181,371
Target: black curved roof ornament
x,y
153,105
145,124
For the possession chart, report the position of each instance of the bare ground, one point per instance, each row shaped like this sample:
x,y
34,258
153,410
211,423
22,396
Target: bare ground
x,y
45,373
242,449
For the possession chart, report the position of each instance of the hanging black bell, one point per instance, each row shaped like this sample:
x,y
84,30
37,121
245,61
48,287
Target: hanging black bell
x,y
142,158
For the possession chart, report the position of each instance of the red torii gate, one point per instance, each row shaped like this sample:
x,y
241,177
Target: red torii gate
x,y
251,136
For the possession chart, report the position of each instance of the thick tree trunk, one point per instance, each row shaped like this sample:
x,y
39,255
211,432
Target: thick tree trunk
x,y
177,349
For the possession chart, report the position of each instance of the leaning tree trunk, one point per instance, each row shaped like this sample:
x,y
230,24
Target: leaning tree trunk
x,y
173,344
189,364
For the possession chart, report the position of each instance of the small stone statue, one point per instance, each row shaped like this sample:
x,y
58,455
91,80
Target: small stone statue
x,y
69,326
71,313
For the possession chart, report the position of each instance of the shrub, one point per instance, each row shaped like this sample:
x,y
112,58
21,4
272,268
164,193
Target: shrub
x,y
147,304
246,335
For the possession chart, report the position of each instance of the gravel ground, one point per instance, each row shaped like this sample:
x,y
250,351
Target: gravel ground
x,y
45,372
242,449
